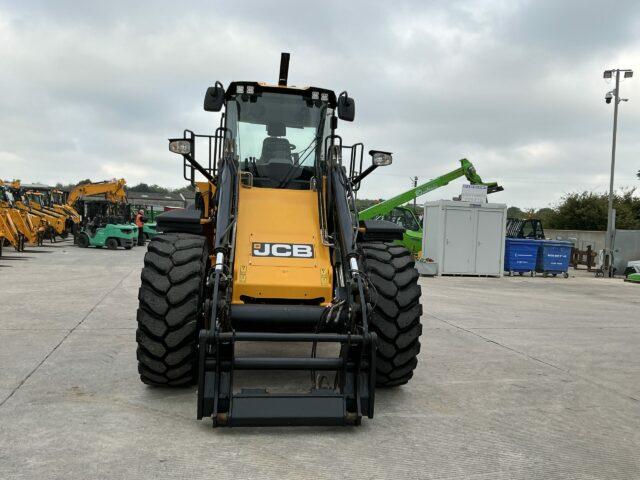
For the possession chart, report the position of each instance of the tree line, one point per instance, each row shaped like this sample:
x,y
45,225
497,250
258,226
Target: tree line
x,y
140,187
587,211
575,211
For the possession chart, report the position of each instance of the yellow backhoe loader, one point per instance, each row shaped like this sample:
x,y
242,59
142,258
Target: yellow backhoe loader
x,y
40,201
9,232
52,199
53,224
32,227
58,204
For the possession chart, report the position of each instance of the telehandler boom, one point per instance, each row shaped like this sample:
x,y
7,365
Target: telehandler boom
x,y
393,210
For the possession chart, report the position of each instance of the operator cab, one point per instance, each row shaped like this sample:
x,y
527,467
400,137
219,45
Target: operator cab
x,y
278,132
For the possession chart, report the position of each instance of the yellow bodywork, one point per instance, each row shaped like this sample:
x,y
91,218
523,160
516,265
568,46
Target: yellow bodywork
x,y
30,226
56,222
282,217
57,203
25,225
8,230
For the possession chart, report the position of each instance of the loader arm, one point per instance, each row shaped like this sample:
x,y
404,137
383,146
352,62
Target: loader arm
x,y
8,230
113,190
59,205
466,170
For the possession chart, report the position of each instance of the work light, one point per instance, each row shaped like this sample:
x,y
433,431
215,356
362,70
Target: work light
x,y
381,159
181,146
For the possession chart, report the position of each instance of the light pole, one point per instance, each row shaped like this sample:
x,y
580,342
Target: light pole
x,y
615,95
414,181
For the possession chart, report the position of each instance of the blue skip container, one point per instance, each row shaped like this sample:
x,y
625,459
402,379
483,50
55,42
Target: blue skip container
x,y
520,255
554,257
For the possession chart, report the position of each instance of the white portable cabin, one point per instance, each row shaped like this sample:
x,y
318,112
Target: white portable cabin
x,y
465,238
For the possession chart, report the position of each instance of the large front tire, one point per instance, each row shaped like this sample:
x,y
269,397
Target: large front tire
x,y
170,309
396,315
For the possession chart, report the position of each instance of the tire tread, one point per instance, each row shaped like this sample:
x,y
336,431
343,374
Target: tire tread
x,y
396,315
168,314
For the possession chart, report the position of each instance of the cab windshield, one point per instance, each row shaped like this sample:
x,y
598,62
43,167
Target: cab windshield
x,y
32,197
278,137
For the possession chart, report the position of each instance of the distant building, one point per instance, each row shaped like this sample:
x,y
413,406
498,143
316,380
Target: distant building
x,y
160,200
138,199
35,186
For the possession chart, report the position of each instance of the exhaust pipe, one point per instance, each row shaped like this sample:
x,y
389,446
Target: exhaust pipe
x,y
284,69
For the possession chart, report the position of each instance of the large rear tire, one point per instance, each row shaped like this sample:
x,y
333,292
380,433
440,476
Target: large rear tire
x,y
170,309
396,315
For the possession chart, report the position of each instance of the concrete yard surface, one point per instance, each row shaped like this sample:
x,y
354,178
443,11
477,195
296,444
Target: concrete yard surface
x,y
519,378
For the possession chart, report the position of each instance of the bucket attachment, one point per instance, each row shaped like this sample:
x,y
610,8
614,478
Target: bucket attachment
x,y
352,397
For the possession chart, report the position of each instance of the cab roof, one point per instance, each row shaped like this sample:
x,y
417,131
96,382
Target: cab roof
x,y
261,87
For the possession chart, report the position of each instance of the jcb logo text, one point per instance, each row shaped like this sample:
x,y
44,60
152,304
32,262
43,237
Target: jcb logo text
x,y
295,250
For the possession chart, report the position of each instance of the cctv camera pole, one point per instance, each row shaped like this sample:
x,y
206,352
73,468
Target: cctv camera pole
x,y
415,201
610,227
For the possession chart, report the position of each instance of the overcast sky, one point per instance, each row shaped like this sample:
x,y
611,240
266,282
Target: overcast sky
x,y
94,89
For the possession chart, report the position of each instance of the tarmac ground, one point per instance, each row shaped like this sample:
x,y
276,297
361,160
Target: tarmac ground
x,y
518,378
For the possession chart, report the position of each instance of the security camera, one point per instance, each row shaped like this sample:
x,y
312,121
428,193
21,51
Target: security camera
x,y
608,97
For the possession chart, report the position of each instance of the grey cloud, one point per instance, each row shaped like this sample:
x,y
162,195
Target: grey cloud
x,y
94,89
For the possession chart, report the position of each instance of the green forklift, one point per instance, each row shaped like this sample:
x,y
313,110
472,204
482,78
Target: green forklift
x,y
150,213
149,230
394,210
105,224
109,235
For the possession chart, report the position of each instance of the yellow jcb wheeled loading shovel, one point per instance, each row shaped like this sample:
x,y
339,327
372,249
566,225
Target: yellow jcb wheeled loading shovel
x,y
274,252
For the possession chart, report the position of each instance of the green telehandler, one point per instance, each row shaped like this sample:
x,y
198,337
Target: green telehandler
x,y
394,211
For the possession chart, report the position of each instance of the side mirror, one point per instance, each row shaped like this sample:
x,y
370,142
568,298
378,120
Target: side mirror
x,y
214,98
346,107
380,159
